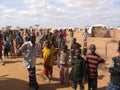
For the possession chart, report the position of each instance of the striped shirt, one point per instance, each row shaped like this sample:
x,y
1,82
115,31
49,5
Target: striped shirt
x,y
93,61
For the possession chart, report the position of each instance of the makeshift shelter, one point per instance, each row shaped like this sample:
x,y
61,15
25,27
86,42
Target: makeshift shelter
x,y
99,31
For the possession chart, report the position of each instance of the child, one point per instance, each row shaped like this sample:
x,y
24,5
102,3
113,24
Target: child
x,y
6,47
64,57
93,61
84,53
1,48
78,70
114,70
52,58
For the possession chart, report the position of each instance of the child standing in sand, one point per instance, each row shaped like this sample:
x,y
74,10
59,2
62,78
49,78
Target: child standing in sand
x,y
93,61
114,70
78,70
64,57
1,49
52,58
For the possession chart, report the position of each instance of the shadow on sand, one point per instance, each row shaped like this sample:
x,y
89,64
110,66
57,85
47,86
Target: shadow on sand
x,y
10,62
17,84
52,86
13,84
103,88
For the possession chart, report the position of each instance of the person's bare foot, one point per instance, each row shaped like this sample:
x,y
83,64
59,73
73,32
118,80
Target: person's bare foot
x,y
3,63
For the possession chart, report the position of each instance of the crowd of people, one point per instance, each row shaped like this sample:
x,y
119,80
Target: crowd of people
x,y
52,46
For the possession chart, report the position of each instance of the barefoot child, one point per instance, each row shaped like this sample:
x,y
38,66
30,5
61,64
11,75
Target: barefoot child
x,y
93,60
78,70
64,57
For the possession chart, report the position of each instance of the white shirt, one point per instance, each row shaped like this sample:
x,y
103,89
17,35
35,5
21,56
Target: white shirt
x,y
29,54
84,36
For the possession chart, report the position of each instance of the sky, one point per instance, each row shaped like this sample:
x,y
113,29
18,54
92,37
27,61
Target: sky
x,y
59,13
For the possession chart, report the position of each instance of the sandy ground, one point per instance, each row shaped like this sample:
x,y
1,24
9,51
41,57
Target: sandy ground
x,y
14,76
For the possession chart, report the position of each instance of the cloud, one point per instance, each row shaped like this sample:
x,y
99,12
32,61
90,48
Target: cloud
x,y
42,7
7,17
79,3
4,9
87,3
61,13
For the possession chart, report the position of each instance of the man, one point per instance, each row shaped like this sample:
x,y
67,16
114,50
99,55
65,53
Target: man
x,y
84,37
114,70
75,46
61,40
19,41
93,61
30,49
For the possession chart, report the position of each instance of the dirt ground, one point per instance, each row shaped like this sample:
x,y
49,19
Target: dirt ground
x,y
14,76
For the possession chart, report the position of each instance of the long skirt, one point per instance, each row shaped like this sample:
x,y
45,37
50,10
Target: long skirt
x,y
63,74
48,70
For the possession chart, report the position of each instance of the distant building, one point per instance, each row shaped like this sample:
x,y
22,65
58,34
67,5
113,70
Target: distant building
x,y
99,30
